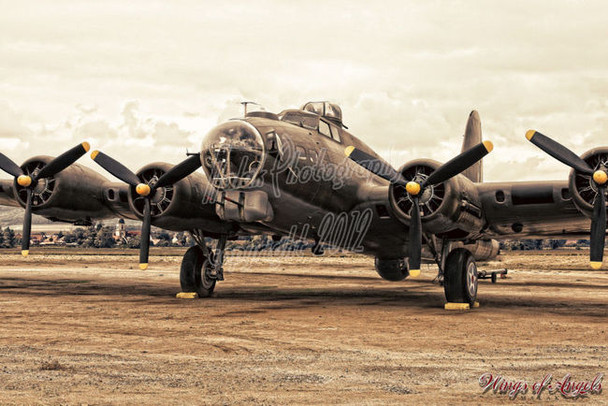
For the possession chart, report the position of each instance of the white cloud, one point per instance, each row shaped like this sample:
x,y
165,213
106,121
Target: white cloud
x,y
145,80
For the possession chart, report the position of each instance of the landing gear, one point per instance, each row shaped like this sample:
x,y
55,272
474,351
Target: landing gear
x,y
195,272
201,268
460,277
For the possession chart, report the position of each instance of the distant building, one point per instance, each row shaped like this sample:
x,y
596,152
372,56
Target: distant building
x,y
120,232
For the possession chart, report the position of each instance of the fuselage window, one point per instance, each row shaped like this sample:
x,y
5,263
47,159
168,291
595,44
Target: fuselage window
x,y
324,128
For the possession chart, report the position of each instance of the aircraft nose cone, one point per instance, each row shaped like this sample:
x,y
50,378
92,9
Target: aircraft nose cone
x,y
232,155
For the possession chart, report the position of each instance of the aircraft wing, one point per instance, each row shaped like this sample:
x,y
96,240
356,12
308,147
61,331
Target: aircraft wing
x,y
7,193
531,210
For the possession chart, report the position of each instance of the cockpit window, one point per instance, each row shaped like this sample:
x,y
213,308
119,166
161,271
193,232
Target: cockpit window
x,y
315,107
293,118
330,131
330,111
324,128
335,134
312,123
302,119
333,111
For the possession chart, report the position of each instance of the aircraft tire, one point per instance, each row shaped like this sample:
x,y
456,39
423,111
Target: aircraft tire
x,y
460,277
393,270
191,277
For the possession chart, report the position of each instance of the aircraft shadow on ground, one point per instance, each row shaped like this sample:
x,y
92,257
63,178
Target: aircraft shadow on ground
x,y
421,295
564,285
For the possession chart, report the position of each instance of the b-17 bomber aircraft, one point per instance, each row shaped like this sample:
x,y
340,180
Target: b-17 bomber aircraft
x,y
302,173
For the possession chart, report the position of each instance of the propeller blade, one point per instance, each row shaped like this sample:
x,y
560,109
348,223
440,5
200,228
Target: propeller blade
x,y
375,165
144,242
10,167
27,225
598,228
63,161
459,163
179,171
415,238
559,152
115,168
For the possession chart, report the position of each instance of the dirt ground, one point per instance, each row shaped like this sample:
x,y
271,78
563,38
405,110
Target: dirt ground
x,y
94,329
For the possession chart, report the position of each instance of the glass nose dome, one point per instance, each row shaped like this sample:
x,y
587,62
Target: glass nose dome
x,y
232,155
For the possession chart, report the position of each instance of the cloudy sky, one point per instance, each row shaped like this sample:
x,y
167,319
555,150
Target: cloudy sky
x,y
145,80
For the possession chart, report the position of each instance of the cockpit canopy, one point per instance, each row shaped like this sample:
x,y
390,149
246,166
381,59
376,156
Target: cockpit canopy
x,y
330,111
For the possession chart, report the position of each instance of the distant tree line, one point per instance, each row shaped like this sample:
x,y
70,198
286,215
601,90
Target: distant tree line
x,y
8,239
97,236
540,244
100,236
263,243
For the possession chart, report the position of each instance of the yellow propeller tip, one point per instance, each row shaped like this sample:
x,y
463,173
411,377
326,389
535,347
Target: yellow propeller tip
x,y
489,146
94,154
530,134
25,252
86,146
143,267
595,264
349,150
24,180
414,273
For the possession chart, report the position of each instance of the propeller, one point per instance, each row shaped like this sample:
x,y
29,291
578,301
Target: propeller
x,y
600,178
30,180
414,189
146,190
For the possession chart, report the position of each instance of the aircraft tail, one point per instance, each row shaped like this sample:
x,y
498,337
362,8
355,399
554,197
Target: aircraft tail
x,y
472,137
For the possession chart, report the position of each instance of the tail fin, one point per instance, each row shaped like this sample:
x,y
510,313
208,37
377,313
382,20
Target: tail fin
x,y
472,137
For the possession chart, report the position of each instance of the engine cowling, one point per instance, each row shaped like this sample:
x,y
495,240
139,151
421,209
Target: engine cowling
x,y
393,270
75,195
186,205
582,187
451,209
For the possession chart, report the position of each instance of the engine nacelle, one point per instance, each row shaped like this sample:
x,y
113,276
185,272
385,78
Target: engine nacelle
x,y
582,187
451,209
393,270
74,195
188,204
